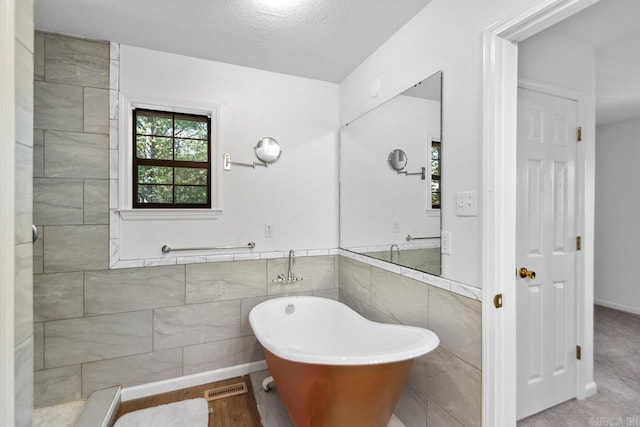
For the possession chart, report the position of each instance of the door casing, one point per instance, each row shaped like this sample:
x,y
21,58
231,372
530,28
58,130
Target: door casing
x,y
500,71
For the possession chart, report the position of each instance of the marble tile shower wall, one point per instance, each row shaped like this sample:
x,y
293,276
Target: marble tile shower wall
x,y
444,387
96,327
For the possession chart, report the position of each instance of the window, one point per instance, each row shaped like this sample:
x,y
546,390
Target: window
x,y
171,160
435,174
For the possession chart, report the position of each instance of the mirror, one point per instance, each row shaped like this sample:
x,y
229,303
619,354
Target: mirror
x,y
268,150
397,160
394,217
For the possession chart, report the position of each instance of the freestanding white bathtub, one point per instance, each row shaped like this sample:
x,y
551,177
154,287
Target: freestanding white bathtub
x,y
333,367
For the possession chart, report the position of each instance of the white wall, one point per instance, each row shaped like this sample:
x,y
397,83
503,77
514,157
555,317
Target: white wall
x,y
446,35
297,195
617,206
618,85
560,61
373,196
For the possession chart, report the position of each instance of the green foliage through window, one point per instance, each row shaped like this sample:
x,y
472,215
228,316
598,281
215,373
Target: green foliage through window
x,y
435,175
172,164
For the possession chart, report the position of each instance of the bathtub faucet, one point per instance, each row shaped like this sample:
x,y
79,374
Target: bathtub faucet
x,y
290,276
292,260
391,252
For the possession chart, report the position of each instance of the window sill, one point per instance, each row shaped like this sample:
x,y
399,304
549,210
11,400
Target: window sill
x,y
433,212
168,214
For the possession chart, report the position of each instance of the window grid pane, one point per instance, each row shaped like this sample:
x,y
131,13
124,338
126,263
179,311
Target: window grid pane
x,y
172,166
435,174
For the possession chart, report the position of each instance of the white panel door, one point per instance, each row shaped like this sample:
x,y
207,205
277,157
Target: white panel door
x,y
546,245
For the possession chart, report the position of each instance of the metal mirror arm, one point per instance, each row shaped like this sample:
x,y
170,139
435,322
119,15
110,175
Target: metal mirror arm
x,y
267,151
227,163
398,161
422,173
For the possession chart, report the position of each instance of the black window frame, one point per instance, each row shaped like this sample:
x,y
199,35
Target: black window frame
x,y
436,177
170,163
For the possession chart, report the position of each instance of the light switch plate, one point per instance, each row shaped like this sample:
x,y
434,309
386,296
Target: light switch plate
x,y
467,203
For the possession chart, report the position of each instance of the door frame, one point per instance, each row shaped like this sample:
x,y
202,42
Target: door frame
x,y
7,212
500,83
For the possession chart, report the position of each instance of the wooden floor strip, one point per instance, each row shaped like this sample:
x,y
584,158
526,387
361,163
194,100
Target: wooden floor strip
x,y
234,411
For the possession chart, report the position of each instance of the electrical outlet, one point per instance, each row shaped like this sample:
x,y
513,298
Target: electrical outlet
x,y
445,242
268,230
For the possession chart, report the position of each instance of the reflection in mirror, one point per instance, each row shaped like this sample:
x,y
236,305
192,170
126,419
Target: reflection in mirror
x,y
393,217
397,159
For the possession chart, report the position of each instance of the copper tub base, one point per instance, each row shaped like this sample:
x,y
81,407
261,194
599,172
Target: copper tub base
x,y
338,396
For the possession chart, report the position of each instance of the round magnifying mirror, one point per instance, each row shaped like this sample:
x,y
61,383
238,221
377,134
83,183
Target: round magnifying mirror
x,y
268,150
397,159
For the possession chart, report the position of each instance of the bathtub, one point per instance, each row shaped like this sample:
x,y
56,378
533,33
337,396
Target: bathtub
x,y
331,366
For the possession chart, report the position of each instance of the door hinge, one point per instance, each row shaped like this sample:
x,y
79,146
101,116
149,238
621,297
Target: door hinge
x,y
578,243
497,301
579,133
578,352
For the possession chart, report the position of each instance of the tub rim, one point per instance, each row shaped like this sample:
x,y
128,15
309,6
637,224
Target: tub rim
x,y
429,340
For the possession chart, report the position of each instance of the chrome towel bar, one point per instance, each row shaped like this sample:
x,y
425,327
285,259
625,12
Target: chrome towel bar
x,y
166,248
410,238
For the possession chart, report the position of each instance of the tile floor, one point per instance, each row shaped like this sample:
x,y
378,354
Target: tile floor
x,y
617,373
64,415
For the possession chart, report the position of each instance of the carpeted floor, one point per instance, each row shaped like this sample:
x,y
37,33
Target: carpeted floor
x,y
616,372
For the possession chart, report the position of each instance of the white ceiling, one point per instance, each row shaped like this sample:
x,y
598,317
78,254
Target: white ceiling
x,y
319,39
612,27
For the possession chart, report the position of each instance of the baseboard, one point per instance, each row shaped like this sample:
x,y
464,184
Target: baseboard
x,y
616,306
144,390
590,389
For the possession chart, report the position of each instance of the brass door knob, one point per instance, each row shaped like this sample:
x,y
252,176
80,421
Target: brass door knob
x,y
526,274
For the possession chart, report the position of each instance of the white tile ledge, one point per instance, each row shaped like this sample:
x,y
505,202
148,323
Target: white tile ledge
x,y
440,282
218,257
101,408
167,214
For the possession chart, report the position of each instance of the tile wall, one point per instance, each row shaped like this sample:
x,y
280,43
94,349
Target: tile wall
x,y
444,387
23,216
95,327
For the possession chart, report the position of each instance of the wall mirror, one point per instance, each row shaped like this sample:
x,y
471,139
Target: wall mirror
x,y
390,176
397,160
267,150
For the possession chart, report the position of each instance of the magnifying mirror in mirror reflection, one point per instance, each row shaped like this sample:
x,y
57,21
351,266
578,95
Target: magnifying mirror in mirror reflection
x,y
397,159
268,150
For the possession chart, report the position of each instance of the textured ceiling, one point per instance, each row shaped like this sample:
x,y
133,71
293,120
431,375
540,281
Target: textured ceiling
x,y
320,39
